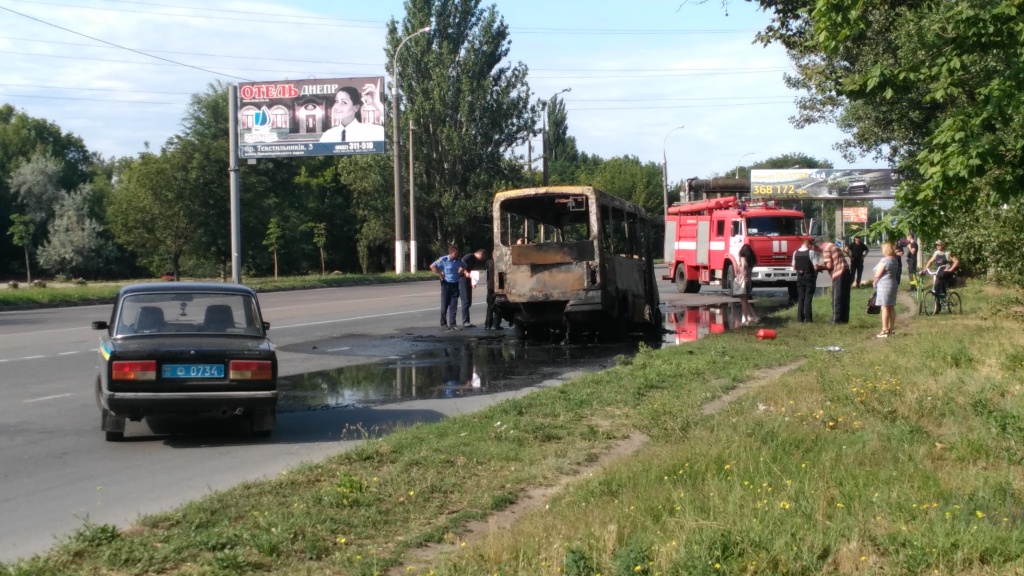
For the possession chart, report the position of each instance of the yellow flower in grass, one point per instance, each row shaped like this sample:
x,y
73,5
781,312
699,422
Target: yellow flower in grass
x,y
784,505
840,505
979,513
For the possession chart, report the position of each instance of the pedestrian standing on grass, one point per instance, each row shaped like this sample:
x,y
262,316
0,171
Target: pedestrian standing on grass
x,y
804,260
474,263
833,261
857,251
449,268
886,287
910,249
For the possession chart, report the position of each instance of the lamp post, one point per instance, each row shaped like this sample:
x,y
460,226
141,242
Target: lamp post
x,y
544,137
664,170
399,232
737,174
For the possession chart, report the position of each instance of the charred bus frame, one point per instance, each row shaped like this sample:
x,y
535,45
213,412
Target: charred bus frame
x,y
573,259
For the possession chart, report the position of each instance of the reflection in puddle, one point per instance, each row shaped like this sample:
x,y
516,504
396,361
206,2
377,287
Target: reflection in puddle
x,y
695,322
461,369
474,367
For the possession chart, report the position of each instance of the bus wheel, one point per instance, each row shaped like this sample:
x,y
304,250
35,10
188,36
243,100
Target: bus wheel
x,y
729,281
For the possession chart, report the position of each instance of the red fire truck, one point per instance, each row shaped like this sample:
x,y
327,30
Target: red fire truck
x,y
703,241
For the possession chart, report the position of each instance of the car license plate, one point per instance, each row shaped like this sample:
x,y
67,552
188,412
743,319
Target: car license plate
x,y
193,371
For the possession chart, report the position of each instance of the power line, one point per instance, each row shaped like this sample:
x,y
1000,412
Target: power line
x,y
99,100
62,57
709,73
246,57
205,16
605,108
117,45
76,88
377,24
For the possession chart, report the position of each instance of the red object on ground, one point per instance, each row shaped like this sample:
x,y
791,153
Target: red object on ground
x,y
766,334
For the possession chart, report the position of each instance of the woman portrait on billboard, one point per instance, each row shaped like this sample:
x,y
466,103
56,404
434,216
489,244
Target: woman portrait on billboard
x,y
346,114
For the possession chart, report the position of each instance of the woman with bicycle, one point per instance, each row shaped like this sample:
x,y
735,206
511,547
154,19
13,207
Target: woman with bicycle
x,y
885,288
946,262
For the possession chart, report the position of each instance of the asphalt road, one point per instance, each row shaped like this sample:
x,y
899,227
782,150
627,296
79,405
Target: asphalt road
x,y
56,470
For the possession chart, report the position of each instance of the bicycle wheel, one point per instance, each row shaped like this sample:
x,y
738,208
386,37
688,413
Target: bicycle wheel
x,y
953,303
930,304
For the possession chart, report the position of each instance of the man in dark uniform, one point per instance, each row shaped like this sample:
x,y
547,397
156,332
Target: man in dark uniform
x,y
474,261
804,261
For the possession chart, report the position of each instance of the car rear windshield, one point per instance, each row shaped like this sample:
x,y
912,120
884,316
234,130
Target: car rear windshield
x,y
183,313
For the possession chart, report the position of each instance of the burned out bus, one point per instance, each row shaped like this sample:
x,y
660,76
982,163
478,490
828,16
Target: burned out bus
x,y
573,260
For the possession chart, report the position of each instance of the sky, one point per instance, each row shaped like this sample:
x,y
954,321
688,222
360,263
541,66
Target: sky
x,y
636,70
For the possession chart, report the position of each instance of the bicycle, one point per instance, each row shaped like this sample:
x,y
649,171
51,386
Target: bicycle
x,y
931,302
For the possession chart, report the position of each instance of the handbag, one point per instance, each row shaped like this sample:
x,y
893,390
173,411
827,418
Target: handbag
x,y
873,308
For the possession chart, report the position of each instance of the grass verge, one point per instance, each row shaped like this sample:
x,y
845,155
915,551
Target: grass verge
x,y
897,456
77,295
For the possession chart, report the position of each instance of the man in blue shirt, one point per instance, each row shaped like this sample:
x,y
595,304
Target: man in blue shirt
x,y
449,268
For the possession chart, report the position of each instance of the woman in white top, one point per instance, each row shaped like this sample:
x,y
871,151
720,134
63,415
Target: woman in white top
x,y
347,105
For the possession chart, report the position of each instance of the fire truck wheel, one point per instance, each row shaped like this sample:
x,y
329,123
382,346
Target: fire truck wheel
x,y
681,278
729,281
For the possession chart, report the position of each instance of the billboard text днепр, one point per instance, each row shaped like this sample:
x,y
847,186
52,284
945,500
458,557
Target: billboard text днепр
x,y
326,117
823,183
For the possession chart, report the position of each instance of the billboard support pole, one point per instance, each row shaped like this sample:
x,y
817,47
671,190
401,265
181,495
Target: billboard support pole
x,y
840,231
234,185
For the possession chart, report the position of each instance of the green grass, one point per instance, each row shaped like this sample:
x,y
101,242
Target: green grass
x,y
898,456
76,295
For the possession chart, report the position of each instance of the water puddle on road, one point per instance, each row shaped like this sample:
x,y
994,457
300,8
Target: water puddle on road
x,y
488,366
457,370
693,322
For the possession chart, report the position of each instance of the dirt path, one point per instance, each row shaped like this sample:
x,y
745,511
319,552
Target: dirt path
x,y
537,498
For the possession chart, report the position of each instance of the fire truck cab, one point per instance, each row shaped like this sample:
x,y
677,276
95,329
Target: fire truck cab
x,y
703,241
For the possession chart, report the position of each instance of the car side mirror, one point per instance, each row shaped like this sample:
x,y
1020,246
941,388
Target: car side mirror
x,y
266,325
100,325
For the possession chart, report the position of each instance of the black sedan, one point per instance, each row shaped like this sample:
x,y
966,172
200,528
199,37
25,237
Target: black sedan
x,y
186,348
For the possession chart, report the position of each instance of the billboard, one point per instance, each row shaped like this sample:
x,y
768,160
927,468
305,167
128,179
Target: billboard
x,y
855,214
319,117
823,183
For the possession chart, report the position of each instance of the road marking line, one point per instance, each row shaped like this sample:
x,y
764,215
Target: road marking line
x,y
30,357
70,353
354,318
337,349
48,397
275,308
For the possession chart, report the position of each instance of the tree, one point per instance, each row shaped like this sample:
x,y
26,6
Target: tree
x,y
75,246
629,179
273,240
21,232
36,184
934,87
22,136
470,108
563,155
152,209
319,240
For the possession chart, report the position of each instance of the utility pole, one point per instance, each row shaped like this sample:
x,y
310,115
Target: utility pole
x,y
234,186
412,209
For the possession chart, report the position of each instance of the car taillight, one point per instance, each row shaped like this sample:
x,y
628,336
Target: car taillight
x,y
133,370
250,370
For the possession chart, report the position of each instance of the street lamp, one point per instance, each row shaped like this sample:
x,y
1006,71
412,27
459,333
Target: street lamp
x,y
738,162
664,170
399,232
544,136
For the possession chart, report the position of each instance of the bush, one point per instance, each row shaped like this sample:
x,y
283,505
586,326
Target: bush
x,y
39,283
13,284
78,281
